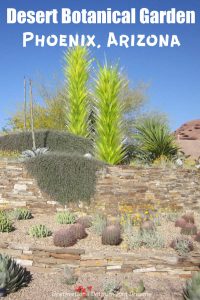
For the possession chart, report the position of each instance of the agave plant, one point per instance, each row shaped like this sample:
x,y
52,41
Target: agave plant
x,y
192,288
155,140
77,74
109,138
33,153
12,275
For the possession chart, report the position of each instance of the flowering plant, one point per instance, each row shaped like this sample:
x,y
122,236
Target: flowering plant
x,y
85,292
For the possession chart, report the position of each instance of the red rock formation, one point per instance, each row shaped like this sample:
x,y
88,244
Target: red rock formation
x,y
188,137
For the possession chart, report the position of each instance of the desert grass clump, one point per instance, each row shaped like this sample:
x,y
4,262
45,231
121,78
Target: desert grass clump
x,y
12,275
111,235
39,231
148,239
111,286
21,214
99,223
182,245
64,238
6,225
79,231
192,289
65,217
69,277
189,229
86,221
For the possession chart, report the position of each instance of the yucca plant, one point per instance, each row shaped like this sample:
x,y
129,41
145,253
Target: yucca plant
x,y
77,68
12,275
109,139
192,288
155,140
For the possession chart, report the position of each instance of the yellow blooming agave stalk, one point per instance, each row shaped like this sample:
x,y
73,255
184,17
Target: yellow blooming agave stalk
x,y
109,111
76,71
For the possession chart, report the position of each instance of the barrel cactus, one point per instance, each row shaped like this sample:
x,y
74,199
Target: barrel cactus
x,y
79,231
189,217
189,229
197,237
85,221
181,222
192,288
111,235
64,238
12,275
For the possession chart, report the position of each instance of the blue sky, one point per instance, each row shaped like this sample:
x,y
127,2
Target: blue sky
x,y
173,74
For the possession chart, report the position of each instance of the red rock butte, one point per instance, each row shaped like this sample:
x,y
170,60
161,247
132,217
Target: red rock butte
x,y
188,137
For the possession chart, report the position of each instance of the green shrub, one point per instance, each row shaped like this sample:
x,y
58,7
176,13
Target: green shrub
x,y
65,217
149,239
54,140
6,224
21,214
65,177
182,245
39,231
12,275
99,223
69,277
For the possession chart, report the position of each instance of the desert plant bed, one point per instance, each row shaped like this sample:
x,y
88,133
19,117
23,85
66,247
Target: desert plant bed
x,y
23,232
126,255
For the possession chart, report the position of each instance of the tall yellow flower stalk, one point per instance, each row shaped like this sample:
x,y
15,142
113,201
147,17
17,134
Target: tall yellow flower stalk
x,y
77,68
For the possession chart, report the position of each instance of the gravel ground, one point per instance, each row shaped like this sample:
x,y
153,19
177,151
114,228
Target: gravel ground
x,y
50,287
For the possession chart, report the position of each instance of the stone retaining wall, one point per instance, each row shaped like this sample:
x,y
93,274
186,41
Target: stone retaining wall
x,y
118,188
48,260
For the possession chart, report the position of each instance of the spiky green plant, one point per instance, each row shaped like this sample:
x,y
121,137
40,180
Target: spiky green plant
x,y
6,224
65,217
21,214
192,288
39,231
12,275
77,67
109,139
155,140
